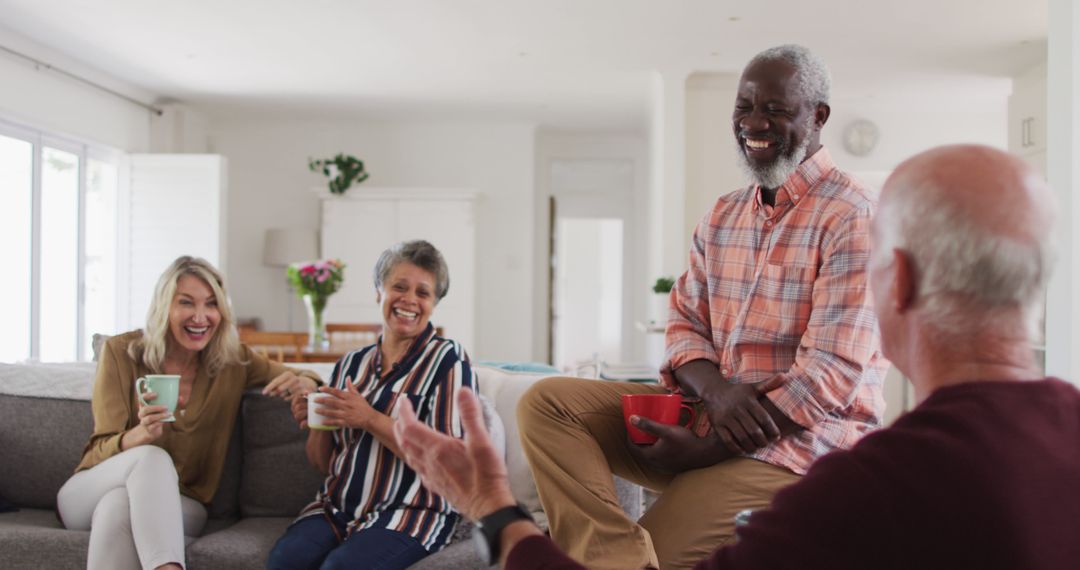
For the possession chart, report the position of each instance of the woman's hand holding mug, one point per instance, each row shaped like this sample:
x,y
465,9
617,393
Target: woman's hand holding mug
x,y
151,424
299,408
347,408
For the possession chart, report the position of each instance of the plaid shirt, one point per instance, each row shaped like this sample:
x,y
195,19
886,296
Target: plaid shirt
x,y
779,297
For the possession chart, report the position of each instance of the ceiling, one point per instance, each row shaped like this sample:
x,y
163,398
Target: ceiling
x,y
561,63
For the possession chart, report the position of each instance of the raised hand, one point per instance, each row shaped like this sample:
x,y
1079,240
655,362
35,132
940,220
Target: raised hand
x,y
469,473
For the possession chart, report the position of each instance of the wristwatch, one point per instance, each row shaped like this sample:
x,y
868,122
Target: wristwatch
x,y
487,531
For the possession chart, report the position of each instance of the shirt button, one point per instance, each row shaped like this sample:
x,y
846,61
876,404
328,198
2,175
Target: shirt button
x,y
768,223
725,371
794,196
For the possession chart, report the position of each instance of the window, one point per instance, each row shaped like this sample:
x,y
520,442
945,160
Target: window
x,y
58,220
16,193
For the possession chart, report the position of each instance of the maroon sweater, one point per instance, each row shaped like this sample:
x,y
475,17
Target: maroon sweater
x,y
981,475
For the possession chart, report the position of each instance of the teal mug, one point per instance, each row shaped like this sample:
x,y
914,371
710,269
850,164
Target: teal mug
x,y
165,386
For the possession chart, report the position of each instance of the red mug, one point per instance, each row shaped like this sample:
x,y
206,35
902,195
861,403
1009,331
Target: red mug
x,y
660,408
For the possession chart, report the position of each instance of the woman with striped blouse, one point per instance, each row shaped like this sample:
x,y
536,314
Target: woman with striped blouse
x,y
372,511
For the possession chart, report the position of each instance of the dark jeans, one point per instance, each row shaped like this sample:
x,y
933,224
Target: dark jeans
x,y
312,544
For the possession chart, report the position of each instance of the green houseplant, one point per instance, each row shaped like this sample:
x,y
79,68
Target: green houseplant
x,y
663,285
343,171
661,299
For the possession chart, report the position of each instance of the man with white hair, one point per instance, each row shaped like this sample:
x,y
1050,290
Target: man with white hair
x,y
981,474
771,327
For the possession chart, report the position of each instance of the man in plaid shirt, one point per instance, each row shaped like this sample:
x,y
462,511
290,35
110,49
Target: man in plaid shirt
x,y
771,326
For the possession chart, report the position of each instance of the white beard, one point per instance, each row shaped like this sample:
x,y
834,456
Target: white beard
x,y
774,175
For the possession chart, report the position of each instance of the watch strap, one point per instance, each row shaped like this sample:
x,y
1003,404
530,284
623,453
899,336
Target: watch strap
x,y
491,527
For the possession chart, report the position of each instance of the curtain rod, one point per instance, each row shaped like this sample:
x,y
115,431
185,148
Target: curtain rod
x,y
39,64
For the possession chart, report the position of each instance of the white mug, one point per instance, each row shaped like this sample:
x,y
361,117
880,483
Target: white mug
x,y
316,420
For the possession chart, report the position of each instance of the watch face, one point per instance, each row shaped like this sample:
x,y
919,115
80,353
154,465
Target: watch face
x,y
860,137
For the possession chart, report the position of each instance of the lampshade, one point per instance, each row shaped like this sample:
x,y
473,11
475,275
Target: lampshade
x,y
283,246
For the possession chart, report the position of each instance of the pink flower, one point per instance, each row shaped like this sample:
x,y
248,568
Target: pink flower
x,y
322,277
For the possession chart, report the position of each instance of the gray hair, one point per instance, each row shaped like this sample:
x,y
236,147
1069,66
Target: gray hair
x,y
812,80
965,273
419,253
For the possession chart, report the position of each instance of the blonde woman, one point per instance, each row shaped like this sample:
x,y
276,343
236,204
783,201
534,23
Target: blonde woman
x,y
143,483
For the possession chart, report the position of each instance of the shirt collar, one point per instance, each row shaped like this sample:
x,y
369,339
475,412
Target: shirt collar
x,y
414,351
802,181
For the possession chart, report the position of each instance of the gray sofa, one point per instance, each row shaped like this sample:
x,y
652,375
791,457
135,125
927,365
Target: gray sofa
x,y
45,420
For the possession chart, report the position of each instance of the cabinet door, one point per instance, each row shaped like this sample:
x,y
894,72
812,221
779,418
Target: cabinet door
x,y
357,231
176,208
450,227
1027,114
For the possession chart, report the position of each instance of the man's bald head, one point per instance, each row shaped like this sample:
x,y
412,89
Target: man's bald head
x,y
976,223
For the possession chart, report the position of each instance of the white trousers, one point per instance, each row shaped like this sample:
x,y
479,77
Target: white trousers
x,y
132,506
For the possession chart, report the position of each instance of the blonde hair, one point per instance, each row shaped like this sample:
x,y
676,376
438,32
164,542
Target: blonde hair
x,y
224,347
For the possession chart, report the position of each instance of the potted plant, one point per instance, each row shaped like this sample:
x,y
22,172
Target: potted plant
x,y
314,282
662,288
342,170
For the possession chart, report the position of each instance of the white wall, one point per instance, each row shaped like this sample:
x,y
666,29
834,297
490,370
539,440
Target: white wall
x,y
269,186
710,147
47,100
1063,173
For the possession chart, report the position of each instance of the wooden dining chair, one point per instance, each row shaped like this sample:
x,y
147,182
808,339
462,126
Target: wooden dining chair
x,y
354,335
275,345
357,335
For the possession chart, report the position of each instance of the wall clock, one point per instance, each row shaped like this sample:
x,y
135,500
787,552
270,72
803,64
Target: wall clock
x,y
860,137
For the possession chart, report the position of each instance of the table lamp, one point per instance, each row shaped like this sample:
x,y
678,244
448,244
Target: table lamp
x,y
284,246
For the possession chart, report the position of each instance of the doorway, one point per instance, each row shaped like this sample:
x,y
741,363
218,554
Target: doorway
x,y
587,291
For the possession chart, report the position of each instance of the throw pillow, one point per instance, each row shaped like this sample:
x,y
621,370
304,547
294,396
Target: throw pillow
x,y
98,343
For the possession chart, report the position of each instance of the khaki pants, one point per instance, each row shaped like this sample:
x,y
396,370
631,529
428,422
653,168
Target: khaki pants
x,y
573,434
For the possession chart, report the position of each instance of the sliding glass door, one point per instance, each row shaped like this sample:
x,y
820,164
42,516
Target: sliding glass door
x,y
58,220
16,213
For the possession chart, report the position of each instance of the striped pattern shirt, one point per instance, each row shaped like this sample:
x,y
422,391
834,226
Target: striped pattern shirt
x,y
368,485
778,296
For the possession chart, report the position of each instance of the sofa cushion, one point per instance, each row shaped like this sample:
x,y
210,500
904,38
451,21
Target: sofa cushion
x,y
226,501
457,556
244,545
32,538
42,440
505,389
275,477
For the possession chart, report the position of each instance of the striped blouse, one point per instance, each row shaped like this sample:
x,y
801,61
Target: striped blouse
x,y
370,486
779,297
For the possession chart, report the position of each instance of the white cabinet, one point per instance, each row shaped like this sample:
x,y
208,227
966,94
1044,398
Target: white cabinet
x,y
176,207
1027,113
360,225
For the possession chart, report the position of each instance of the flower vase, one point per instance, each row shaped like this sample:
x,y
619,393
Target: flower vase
x,y
317,339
